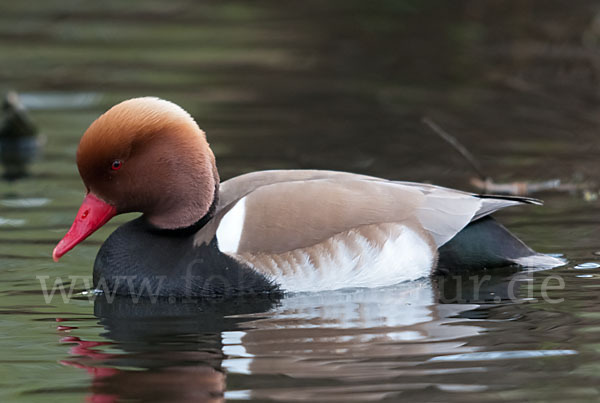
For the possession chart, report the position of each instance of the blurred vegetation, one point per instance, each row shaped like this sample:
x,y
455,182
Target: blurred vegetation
x,y
328,75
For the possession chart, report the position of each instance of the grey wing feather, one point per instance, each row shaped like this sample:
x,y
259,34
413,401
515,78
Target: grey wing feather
x,y
447,211
491,204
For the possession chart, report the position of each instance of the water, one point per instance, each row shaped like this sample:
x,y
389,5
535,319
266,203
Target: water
x,y
331,85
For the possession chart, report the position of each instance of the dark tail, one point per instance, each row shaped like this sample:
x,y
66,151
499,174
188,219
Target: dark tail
x,y
487,244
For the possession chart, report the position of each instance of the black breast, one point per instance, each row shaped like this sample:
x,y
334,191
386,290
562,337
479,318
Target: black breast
x,y
138,259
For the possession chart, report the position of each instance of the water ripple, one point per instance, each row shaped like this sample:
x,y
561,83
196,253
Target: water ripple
x,y
503,355
26,202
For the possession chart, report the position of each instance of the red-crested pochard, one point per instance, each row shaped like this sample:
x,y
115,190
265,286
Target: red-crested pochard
x,y
290,230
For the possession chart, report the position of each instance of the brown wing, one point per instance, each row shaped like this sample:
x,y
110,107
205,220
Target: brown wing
x,y
239,186
278,211
291,215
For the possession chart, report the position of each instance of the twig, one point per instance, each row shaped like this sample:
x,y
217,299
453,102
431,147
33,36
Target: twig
x,y
487,184
527,188
456,145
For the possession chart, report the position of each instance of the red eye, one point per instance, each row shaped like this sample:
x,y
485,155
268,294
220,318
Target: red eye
x,y
116,165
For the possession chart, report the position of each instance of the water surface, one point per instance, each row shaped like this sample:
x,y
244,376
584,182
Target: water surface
x,y
329,85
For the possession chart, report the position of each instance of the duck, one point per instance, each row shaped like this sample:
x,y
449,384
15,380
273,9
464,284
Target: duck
x,y
20,142
265,232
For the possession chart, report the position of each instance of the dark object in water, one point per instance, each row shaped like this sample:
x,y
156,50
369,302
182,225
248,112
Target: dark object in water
x,y
19,143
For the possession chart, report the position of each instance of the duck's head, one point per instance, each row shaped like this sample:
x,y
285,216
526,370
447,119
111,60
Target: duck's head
x,y
143,155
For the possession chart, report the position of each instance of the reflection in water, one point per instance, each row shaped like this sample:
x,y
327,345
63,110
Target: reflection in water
x,y
368,337
169,352
503,355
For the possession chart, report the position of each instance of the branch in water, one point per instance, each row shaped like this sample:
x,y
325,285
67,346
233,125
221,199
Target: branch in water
x,y
486,184
456,145
528,188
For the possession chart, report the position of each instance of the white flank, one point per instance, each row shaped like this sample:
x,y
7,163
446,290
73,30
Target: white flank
x,y
352,260
230,228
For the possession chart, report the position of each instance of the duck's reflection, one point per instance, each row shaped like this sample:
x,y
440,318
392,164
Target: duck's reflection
x,y
159,351
182,351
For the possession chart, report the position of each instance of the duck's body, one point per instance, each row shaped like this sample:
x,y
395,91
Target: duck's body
x,y
298,230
